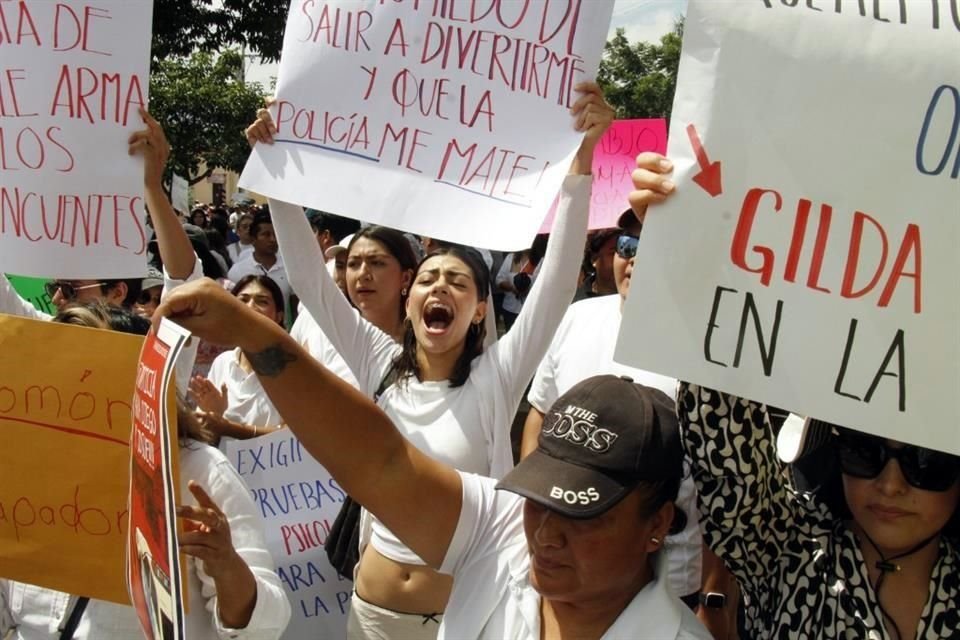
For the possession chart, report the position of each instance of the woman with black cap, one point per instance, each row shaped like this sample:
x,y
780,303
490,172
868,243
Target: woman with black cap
x,y
871,552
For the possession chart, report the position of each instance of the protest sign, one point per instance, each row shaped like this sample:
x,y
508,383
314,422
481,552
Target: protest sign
x,y
614,160
64,459
447,119
180,194
32,290
71,200
809,258
298,501
153,555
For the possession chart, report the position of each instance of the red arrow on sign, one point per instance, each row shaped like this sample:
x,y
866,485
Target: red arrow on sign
x,y
709,176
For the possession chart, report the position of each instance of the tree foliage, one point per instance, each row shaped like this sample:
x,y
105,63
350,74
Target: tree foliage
x,y
182,27
639,79
203,105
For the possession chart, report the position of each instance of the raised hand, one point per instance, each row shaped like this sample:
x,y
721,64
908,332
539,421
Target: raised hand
x,y
207,396
651,182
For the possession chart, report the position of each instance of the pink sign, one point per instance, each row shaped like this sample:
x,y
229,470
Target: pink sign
x,y
613,161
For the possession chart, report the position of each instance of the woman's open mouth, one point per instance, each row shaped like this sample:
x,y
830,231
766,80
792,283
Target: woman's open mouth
x,y
437,318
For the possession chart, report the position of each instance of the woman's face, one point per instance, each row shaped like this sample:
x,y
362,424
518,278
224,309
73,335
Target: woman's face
x,y
199,218
258,297
443,304
375,280
894,514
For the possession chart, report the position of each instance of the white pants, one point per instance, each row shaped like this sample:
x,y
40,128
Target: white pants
x,y
367,621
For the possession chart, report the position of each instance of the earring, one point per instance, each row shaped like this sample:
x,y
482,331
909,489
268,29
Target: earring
x,y
655,540
403,291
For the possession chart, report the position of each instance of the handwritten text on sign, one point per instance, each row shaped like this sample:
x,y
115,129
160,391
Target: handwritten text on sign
x,y
73,75
809,258
63,465
298,501
614,160
404,112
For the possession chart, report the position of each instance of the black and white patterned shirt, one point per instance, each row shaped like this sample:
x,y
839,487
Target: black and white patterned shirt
x,y
800,567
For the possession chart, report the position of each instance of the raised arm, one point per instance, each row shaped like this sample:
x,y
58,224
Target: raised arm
x,y
367,350
175,248
521,349
12,304
340,427
747,511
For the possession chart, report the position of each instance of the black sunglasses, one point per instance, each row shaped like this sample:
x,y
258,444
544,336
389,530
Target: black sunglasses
x,y
627,246
865,456
67,291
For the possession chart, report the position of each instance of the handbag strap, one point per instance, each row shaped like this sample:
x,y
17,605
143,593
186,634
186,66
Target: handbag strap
x,y
74,620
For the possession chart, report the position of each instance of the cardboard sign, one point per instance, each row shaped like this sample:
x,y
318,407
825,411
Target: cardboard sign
x,y
298,501
153,555
809,258
74,74
180,194
63,465
446,119
614,160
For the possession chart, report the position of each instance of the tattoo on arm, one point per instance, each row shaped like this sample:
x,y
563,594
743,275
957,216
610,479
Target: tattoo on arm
x,y
271,361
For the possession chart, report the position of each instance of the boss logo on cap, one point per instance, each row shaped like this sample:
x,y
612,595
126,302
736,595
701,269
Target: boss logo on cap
x,y
575,497
576,425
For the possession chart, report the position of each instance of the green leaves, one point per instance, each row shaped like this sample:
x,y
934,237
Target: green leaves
x,y
639,79
203,105
183,27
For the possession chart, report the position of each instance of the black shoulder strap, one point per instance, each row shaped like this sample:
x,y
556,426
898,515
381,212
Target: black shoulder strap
x,y
74,620
388,380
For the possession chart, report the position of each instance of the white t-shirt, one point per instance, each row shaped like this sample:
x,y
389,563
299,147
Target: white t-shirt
x,y
310,336
247,265
247,401
467,427
38,612
492,596
511,302
583,347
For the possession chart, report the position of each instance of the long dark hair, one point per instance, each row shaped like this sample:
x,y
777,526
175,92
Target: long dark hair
x,y
406,364
396,245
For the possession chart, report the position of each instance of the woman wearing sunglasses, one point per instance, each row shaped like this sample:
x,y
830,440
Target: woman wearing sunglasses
x,y
871,552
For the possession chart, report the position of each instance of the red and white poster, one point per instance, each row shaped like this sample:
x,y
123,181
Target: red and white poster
x,y
153,563
809,257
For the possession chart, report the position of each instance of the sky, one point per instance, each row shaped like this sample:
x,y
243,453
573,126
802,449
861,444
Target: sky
x,y
646,20
642,20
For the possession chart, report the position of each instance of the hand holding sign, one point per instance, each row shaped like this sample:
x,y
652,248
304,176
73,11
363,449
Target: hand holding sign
x,y
152,144
651,183
209,311
262,129
594,117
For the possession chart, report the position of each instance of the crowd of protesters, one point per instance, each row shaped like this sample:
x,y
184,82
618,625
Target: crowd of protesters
x,y
635,495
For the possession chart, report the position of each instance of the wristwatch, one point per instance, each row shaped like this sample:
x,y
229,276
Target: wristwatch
x,y
713,600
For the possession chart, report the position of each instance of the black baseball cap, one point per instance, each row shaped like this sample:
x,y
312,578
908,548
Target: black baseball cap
x,y
627,219
599,441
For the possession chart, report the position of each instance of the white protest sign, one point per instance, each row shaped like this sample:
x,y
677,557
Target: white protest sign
x,y
447,119
72,77
810,256
180,194
298,501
